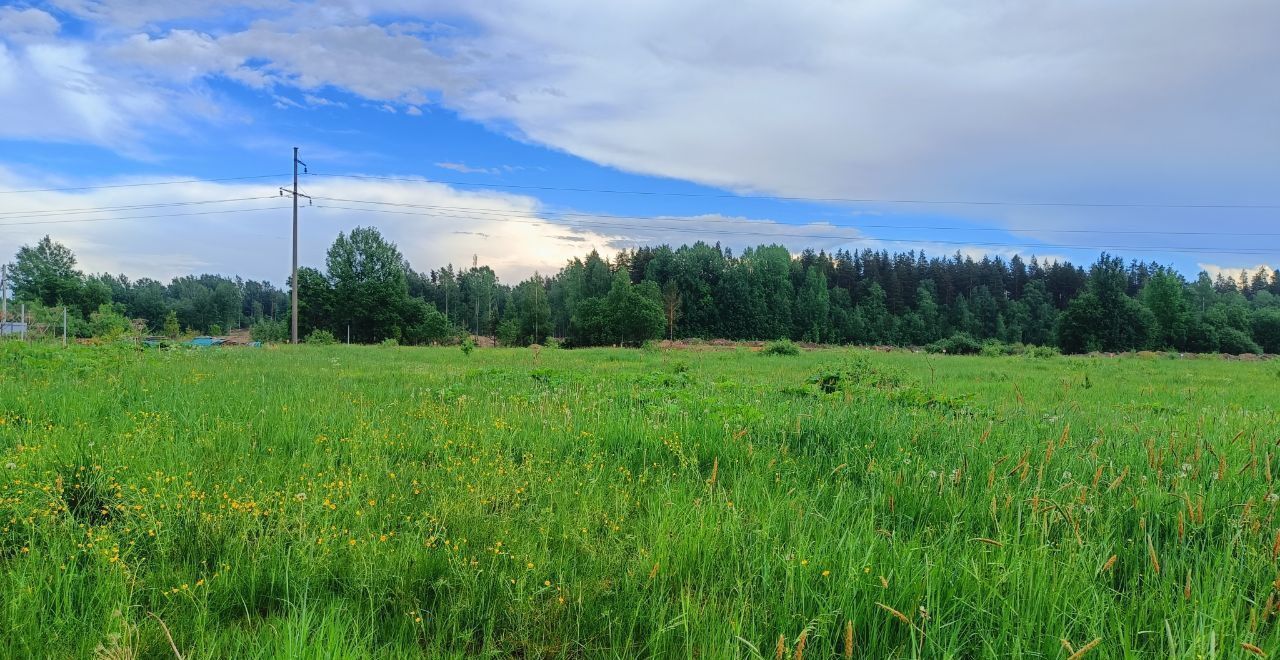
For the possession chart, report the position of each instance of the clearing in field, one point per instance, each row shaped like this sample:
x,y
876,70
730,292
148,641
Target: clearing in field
x,y
400,502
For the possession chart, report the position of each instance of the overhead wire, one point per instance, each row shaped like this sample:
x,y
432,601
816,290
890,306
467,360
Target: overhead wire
x,y
144,184
140,217
36,213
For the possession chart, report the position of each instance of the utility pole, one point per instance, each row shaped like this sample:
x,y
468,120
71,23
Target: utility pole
x,y
64,326
295,194
4,294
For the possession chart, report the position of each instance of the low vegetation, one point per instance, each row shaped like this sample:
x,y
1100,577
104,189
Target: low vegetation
x,y
335,501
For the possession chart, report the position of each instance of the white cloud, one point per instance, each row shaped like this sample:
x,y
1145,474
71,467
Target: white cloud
x,y
505,231
19,24
896,98
882,98
467,169
1099,101
56,92
123,15
1214,270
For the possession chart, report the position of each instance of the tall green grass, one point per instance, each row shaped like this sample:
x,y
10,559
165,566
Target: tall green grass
x,y
396,502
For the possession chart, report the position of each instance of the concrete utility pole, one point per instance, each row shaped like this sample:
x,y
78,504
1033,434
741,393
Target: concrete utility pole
x,y
64,326
295,194
4,293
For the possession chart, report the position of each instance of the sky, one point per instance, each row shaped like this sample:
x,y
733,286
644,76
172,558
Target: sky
x,y
522,134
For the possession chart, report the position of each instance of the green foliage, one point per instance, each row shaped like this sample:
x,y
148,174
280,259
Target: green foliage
x,y
388,343
780,347
1043,352
46,273
1165,296
992,348
509,333
698,292
170,328
1236,341
1104,318
957,344
268,331
1266,329
369,289
320,338
108,324
429,326
468,345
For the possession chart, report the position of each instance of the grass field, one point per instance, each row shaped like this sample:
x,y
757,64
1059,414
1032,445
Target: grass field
x,y
405,502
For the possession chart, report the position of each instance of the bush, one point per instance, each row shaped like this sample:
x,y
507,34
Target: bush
x,y
108,324
171,328
321,338
468,345
993,348
269,331
650,346
389,342
780,347
1043,352
1235,341
509,333
958,344
1266,329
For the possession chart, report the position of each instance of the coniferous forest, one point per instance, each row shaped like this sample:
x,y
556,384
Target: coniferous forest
x,y
694,291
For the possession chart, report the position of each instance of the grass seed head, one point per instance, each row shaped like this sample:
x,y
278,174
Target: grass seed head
x,y
1085,649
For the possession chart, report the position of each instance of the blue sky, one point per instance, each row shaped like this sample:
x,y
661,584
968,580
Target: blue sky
x,y
495,109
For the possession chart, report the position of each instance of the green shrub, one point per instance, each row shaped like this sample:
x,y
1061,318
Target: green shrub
x,y
321,338
509,333
389,342
1043,352
468,345
267,330
780,347
993,348
958,344
1234,341
171,328
107,323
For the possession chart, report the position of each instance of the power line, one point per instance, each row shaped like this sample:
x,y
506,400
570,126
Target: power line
x,y
38,213
139,185
1202,250
138,217
821,200
833,224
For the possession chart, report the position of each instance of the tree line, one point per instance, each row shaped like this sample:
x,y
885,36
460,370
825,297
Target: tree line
x,y
369,290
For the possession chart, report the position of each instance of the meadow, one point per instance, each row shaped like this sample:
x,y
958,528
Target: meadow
x,y
713,503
